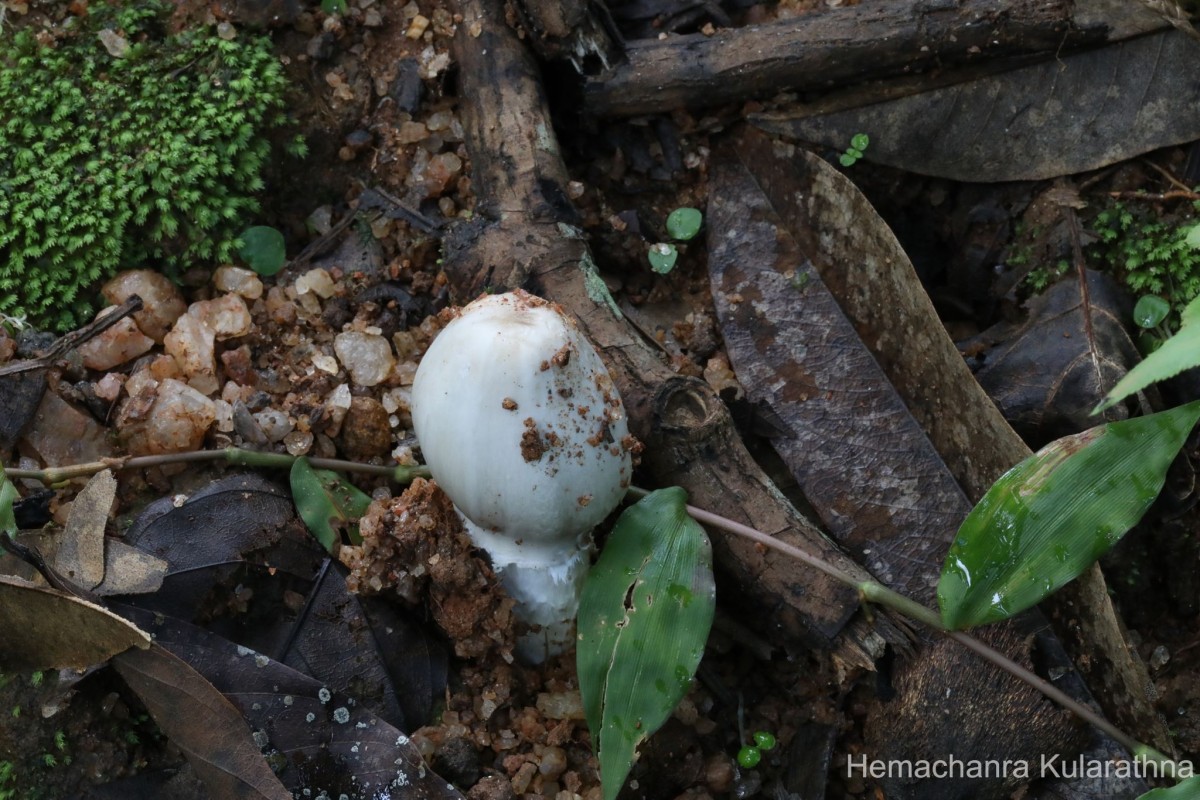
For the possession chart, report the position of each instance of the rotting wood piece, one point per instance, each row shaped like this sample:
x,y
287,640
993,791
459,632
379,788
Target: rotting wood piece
x,y
571,30
522,237
826,50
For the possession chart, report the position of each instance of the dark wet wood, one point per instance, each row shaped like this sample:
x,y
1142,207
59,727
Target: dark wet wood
x,y
830,49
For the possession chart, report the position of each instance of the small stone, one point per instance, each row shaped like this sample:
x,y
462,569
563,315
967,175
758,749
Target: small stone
x,y
441,172
320,221
719,774
298,443
439,121
177,422
340,397
239,281
553,762
162,302
109,387
458,761
407,89
491,787
367,357
365,432
524,776
121,342
246,426
224,418
280,308
61,434
239,366
191,344
317,281
274,424
325,363
411,132
417,28
560,705
227,315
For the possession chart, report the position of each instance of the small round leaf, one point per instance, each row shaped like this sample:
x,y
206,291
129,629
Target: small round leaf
x,y
684,223
1150,311
263,250
663,257
860,141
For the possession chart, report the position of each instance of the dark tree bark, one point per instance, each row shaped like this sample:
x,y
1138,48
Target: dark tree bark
x,y
831,49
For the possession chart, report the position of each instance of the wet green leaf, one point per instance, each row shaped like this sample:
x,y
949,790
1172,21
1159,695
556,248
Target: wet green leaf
x,y
8,496
327,503
1150,311
1184,790
644,616
1048,518
263,249
662,258
684,223
1180,352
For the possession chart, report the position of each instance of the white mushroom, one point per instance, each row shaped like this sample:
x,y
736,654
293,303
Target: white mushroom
x,y
521,426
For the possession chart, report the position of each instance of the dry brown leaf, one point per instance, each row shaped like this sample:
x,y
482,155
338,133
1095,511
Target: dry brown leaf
x,y
44,628
204,725
81,553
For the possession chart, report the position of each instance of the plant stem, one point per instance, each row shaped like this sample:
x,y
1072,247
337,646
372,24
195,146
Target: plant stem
x,y
231,455
878,593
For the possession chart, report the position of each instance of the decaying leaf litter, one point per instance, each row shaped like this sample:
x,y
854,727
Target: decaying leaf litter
x,y
303,356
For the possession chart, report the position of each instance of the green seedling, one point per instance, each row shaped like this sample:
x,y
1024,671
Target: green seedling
x,y
750,755
858,144
262,249
682,225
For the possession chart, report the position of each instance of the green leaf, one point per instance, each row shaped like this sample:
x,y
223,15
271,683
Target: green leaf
x,y
684,223
1185,790
8,495
1180,352
644,616
1150,311
847,159
663,257
1048,518
263,250
1193,237
859,141
327,503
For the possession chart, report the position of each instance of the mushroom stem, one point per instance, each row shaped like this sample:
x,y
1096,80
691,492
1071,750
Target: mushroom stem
x,y
544,582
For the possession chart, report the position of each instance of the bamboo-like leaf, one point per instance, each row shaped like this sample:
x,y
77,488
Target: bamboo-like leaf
x,y
327,503
644,616
1048,518
1180,352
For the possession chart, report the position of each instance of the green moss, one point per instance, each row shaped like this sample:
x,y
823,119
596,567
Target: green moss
x,y
152,158
1150,255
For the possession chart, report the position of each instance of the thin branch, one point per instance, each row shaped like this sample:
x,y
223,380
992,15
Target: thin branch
x,y
878,593
231,455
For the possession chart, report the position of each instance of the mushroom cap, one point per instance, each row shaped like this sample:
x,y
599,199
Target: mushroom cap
x,y
520,423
